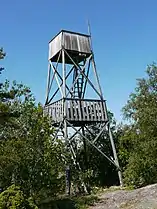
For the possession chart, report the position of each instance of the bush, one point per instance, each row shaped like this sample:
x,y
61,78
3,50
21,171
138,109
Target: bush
x,y
141,168
13,198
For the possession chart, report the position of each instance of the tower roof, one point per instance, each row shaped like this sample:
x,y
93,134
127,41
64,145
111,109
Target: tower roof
x,y
71,32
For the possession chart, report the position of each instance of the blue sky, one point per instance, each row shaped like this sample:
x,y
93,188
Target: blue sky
x,y
124,40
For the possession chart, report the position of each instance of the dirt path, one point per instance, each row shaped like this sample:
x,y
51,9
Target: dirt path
x,y
143,198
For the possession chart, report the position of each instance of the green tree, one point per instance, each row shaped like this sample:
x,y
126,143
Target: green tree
x,y
6,97
140,139
2,55
126,136
29,155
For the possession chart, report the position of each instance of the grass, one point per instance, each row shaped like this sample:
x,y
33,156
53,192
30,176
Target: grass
x,y
100,190
75,202
80,202
85,201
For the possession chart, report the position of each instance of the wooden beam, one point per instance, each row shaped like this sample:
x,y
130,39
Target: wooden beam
x,y
95,146
82,73
60,86
54,70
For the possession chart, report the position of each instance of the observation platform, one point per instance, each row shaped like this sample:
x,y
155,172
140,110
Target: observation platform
x,y
78,111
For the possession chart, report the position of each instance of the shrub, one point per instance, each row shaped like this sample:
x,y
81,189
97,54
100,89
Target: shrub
x,y
13,198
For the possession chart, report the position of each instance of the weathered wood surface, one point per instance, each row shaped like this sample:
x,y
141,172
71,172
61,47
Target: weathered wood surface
x,y
77,110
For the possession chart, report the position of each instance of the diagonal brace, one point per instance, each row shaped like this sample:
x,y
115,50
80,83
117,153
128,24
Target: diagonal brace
x,y
95,147
77,68
96,138
74,134
60,85
54,73
54,70
61,78
82,73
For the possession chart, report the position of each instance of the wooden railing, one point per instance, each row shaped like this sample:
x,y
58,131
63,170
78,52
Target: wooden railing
x,y
84,110
55,111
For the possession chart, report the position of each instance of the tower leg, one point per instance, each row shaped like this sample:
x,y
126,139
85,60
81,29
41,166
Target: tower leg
x,y
110,133
65,123
86,160
115,156
77,166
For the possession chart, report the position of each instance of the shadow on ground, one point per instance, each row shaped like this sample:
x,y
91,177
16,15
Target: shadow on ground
x,y
80,202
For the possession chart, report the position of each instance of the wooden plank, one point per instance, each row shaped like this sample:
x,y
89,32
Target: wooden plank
x,y
105,108
71,110
83,111
67,109
54,115
56,111
59,111
102,112
91,111
57,116
76,110
56,119
98,110
87,110
61,108
79,111
94,110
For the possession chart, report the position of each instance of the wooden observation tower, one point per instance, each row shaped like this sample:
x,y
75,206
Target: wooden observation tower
x,y
74,98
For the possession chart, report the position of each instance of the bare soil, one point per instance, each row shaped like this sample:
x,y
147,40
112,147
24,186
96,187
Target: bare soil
x,y
143,198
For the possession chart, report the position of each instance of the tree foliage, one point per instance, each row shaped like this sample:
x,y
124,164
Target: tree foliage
x,y
28,152
2,55
6,97
14,198
29,155
138,144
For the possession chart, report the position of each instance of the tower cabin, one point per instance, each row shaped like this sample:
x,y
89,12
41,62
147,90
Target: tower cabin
x,y
73,49
76,44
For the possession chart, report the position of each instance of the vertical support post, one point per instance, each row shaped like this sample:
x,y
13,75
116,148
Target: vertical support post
x,y
48,83
65,123
96,75
64,94
78,167
115,155
109,129
85,149
86,160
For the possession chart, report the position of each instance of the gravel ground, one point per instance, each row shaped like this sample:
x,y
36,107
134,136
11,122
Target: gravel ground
x,y
143,198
